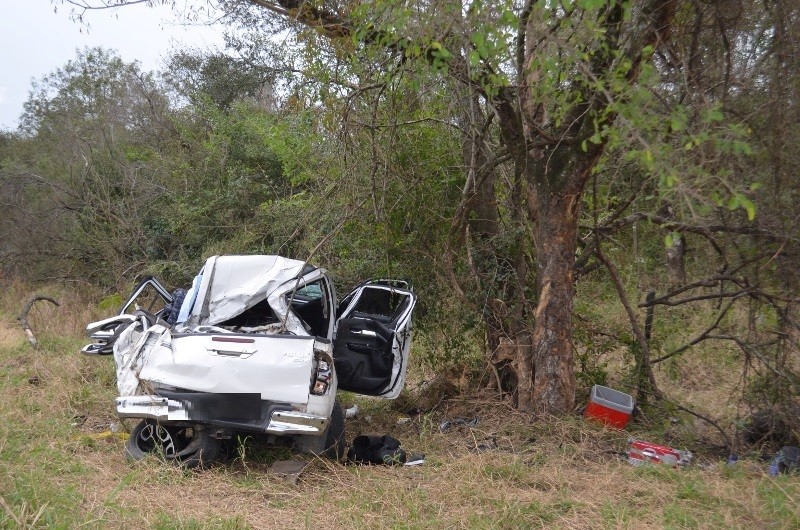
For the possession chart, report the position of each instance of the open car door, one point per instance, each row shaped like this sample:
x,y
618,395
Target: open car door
x,y
149,295
146,303
373,338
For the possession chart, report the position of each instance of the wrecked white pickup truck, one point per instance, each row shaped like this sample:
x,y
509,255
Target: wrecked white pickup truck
x,y
258,344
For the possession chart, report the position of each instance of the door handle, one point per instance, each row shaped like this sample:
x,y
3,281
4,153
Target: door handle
x,y
241,354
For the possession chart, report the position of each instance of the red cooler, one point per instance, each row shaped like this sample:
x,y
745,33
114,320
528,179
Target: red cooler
x,y
609,406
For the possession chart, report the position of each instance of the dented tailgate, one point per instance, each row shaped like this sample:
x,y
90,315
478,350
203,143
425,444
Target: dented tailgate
x,y
277,367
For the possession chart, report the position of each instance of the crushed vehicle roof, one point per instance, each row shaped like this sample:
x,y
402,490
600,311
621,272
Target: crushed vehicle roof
x,y
229,285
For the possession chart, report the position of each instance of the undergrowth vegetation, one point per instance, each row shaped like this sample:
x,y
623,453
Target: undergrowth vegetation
x,y
62,463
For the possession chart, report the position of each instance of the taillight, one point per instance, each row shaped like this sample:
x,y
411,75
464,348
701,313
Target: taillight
x,y
322,377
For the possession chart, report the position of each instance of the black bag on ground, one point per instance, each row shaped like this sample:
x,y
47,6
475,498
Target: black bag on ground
x,y
384,450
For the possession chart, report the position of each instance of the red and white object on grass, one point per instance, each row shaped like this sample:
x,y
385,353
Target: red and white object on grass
x,y
641,452
609,406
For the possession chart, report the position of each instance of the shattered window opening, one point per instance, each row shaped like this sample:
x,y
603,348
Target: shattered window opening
x,y
381,304
259,315
310,305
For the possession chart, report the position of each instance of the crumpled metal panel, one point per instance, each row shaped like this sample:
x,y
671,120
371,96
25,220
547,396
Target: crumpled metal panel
x,y
154,407
237,283
131,351
279,368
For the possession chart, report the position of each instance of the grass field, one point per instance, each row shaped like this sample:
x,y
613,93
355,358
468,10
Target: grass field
x,y
62,464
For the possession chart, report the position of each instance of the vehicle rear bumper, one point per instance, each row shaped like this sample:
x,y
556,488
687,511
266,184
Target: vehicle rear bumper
x,y
234,411
152,407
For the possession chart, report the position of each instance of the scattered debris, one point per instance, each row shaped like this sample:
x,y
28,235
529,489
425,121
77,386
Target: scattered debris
x,y
445,425
34,380
786,461
106,435
641,452
351,412
415,460
288,469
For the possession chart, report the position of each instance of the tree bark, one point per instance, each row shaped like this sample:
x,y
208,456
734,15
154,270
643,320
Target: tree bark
x,y
523,364
555,241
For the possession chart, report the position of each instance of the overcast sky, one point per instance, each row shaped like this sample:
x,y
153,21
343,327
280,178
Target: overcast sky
x,y
34,41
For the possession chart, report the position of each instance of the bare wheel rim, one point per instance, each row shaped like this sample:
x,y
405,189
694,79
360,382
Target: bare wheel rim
x,y
154,437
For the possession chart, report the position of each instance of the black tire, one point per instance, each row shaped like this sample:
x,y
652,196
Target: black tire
x,y
189,446
334,436
330,444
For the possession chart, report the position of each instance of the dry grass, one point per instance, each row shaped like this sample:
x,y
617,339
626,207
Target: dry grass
x,y
60,466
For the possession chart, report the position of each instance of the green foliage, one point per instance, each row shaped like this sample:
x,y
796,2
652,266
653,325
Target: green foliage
x,y
688,152
234,172
219,79
111,302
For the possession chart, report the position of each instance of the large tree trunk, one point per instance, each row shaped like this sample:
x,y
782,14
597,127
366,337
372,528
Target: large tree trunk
x,y
559,187
556,239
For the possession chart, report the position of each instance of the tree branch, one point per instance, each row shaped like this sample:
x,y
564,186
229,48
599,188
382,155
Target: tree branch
x,y
698,229
701,337
749,349
23,317
645,364
105,4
